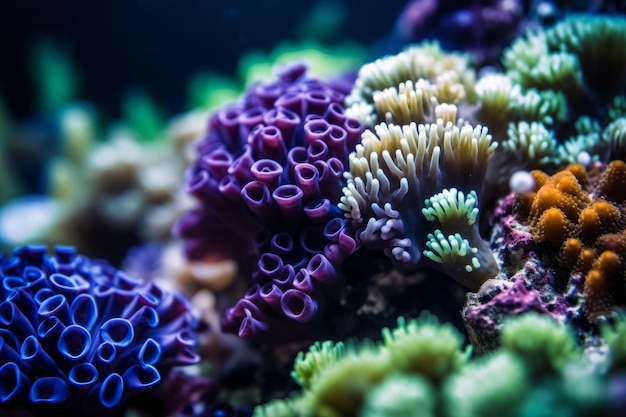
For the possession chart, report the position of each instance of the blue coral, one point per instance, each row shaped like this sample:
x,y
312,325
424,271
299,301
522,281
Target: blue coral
x,y
79,334
268,180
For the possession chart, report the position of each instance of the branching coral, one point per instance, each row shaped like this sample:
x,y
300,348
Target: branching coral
x,y
77,334
393,170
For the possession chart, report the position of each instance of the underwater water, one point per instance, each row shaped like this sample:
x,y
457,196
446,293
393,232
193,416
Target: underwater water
x,y
328,209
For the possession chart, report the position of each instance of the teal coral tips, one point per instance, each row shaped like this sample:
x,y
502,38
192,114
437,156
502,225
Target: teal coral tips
x,y
451,249
456,243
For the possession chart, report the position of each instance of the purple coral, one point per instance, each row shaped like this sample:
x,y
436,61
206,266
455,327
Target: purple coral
x,y
79,334
268,179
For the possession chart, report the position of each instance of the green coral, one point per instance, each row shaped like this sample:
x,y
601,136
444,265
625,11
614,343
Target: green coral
x,y
424,347
548,107
492,386
544,345
401,395
456,242
341,389
320,355
532,145
568,58
421,369
565,73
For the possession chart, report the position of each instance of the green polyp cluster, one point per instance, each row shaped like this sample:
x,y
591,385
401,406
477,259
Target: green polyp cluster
x,y
456,243
421,368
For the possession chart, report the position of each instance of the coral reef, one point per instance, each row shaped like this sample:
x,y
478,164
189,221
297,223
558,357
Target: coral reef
x,y
469,202
561,249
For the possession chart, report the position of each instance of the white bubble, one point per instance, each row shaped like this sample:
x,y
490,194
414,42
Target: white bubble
x,y
584,158
521,182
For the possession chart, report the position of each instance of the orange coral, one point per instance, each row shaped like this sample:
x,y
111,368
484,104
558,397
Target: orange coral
x,y
598,299
569,252
552,227
585,260
580,212
589,223
562,192
609,214
579,172
612,184
598,292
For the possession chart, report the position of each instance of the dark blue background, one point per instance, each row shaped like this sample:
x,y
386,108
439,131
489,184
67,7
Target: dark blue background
x,y
157,44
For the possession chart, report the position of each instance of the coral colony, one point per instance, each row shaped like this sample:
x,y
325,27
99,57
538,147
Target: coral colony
x,y
339,202
80,335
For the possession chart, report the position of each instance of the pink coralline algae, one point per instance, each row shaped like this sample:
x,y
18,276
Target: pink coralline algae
x,y
528,281
268,179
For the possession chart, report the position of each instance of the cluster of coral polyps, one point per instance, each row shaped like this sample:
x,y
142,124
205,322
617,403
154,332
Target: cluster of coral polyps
x,y
268,178
563,246
78,336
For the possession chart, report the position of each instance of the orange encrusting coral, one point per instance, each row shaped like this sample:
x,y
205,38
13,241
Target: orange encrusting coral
x,y
553,226
612,184
580,213
561,192
569,252
598,292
